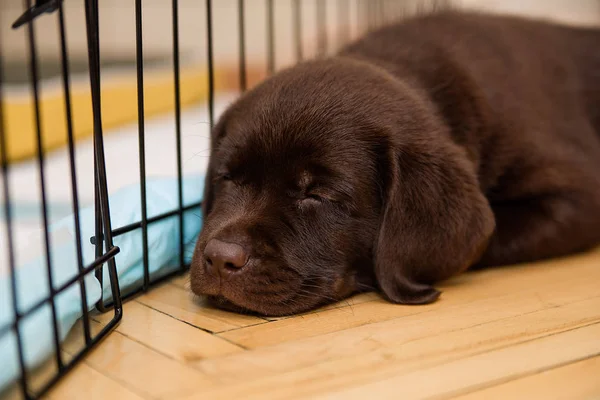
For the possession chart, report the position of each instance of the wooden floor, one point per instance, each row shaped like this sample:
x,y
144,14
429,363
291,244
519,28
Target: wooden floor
x,y
520,332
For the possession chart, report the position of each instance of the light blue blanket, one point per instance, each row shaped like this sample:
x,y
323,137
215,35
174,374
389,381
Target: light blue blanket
x,y
32,282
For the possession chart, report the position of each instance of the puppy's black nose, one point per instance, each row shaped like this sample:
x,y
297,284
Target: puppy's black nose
x,y
223,257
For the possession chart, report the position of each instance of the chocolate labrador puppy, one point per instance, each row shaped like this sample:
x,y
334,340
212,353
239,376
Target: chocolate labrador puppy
x,y
447,141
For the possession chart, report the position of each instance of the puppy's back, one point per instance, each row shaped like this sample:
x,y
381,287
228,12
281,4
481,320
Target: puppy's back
x,y
527,58
585,47
521,86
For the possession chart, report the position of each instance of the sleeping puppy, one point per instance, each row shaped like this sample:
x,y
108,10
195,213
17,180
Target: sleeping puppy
x,y
448,141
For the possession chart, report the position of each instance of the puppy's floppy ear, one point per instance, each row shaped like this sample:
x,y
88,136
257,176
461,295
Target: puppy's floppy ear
x,y
435,220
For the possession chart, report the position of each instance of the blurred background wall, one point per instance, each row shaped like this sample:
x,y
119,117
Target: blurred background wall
x,y
343,19
117,25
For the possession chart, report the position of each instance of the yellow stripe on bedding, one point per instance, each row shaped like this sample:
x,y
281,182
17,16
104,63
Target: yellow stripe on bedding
x,y
119,106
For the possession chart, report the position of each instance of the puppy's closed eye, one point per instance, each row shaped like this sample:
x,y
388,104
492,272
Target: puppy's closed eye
x,y
222,176
311,199
306,193
305,198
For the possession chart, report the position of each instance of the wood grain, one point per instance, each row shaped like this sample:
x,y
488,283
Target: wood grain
x,y
496,366
169,336
459,291
389,360
494,334
181,304
143,369
91,385
574,381
435,326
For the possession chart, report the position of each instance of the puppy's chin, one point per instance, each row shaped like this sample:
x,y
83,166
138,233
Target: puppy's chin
x,y
277,306
265,309
224,304
293,298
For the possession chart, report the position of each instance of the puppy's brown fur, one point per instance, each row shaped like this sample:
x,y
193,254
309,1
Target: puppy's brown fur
x,y
423,149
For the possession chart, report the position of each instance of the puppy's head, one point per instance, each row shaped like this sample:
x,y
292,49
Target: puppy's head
x,y
304,196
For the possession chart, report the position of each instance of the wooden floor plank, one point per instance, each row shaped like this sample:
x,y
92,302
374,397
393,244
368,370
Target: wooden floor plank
x,y
91,385
409,355
461,290
170,336
436,324
575,381
13,392
182,281
40,376
500,365
183,305
494,334
136,366
346,304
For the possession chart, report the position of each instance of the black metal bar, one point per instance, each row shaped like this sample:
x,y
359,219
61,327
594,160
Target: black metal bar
x,y
86,270
375,13
366,16
386,10
404,10
98,230
136,225
77,358
156,281
94,62
270,37
321,7
40,7
297,20
71,146
177,84
98,233
242,44
211,72
10,241
139,47
420,8
362,16
42,177
369,14
343,22
392,10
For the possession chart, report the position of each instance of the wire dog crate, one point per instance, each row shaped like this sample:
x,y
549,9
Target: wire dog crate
x,y
103,268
